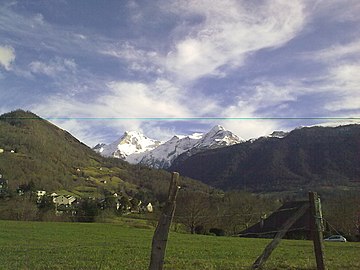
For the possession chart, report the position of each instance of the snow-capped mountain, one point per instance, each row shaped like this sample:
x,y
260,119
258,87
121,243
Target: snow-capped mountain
x,y
160,155
132,142
218,137
165,154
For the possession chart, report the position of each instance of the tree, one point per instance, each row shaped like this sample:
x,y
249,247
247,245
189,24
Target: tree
x,y
343,213
242,209
46,203
87,211
124,204
19,208
193,211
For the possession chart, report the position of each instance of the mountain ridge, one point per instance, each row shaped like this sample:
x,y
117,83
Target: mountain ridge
x,y
161,154
327,156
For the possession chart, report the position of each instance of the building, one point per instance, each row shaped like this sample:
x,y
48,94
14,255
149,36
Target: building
x,y
40,194
64,203
149,208
268,227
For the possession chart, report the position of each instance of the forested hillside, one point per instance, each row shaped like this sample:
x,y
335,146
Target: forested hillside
x,y
307,157
38,153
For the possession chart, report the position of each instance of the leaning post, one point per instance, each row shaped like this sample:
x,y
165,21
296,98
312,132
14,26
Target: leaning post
x,y
162,229
279,235
317,228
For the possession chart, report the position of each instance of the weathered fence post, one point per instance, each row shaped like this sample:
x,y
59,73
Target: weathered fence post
x,y
162,230
317,229
279,235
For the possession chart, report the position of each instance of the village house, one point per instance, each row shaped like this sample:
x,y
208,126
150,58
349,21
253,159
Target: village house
x,y
40,194
64,203
149,208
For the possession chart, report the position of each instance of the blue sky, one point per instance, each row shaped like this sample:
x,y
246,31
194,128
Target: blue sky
x,y
86,65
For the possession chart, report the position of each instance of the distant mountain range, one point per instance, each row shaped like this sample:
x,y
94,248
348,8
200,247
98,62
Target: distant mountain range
x,y
136,148
300,160
34,150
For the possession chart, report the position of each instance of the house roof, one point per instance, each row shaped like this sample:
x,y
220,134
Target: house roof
x,y
275,221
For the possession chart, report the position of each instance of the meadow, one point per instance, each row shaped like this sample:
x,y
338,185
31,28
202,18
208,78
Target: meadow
x,y
51,245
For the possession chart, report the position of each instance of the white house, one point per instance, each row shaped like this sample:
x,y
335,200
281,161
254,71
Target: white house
x,y
63,203
40,194
149,208
64,199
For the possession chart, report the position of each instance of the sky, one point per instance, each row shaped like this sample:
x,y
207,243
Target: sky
x,y
165,67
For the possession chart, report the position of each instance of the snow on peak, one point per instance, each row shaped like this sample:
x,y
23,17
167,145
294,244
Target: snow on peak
x,y
196,136
99,147
165,154
135,147
218,136
131,142
216,129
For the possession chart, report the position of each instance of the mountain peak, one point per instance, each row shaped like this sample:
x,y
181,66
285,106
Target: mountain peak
x,y
218,136
134,147
131,142
216,128
133,133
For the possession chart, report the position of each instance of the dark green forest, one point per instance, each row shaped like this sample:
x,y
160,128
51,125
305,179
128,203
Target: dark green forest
x,y
307,158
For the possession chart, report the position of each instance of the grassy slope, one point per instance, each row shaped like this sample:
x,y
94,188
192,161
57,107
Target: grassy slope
x,y
31,245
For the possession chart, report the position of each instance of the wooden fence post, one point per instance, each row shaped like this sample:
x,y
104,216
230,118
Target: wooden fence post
x,y
317,229
162,229
279,235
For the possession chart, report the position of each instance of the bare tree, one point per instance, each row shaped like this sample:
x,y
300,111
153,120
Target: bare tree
x,y
242,209
343,213
193,210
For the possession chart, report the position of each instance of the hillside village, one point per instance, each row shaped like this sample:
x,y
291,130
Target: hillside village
x,y
70,205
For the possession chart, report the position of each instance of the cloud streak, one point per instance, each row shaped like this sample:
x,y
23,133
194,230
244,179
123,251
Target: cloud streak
x,y
54,67
228,32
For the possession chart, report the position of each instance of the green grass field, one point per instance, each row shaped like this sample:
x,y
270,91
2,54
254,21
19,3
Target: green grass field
x,y
41,245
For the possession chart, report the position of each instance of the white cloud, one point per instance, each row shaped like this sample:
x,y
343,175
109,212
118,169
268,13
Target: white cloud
x,y
7,56
229,31
226,34
251,128
336,52
122,100
139,60
53,67
85,132
345,84
341,79
132,99
341,11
